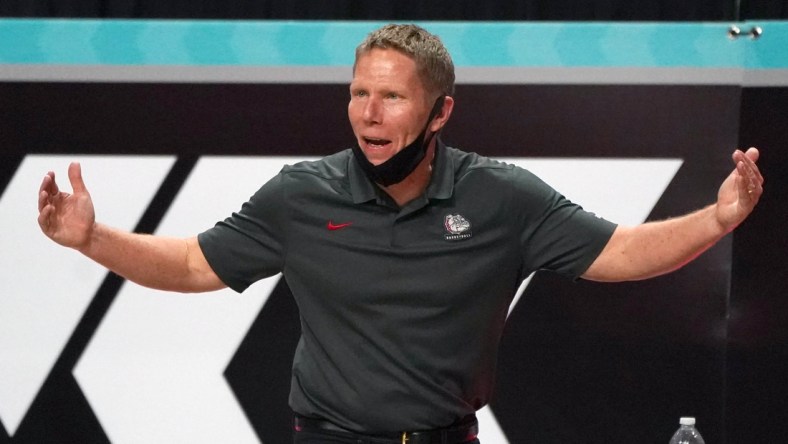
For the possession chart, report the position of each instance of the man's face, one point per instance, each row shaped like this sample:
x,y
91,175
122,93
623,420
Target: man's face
x,y
388,105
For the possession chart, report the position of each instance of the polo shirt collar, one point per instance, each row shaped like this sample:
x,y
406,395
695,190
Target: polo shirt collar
x,y
361,188
441,184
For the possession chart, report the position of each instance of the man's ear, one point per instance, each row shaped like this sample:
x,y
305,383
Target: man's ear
x,y
443,115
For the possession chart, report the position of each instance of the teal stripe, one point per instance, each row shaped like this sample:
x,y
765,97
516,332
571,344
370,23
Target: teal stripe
x,y
770,51
472,44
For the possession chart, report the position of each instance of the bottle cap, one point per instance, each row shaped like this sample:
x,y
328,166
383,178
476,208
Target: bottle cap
x,y
688,420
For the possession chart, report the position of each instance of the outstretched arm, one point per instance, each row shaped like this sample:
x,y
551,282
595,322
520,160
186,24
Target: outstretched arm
x,y
656,248
152,261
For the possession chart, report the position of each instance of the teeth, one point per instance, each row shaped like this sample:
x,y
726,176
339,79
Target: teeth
x,y
377,142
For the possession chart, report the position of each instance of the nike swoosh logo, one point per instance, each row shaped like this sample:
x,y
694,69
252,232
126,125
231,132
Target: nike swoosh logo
x,y
333,227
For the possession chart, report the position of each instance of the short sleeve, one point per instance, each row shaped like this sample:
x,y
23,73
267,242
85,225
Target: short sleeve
x,y
557,234
248,245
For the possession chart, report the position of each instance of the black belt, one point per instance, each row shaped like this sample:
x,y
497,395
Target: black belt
x,y
465,431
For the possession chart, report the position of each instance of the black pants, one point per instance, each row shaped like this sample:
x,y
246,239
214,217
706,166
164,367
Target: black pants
x,y
329,437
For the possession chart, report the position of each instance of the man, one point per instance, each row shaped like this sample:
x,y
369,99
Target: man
x,y
402,254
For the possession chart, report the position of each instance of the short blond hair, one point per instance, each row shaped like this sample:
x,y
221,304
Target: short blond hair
x,y
434,64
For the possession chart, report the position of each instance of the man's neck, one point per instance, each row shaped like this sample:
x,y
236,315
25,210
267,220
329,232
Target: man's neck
x,y
416,183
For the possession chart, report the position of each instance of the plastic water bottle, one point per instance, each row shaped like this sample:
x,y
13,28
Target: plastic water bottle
x,y
687,433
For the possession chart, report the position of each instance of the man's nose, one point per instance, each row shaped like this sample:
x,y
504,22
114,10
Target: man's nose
x,y
373,111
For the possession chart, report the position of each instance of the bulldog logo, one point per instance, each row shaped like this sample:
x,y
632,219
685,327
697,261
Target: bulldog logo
x,y
457,227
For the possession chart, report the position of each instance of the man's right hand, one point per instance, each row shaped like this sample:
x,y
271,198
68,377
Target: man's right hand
x,y
68,219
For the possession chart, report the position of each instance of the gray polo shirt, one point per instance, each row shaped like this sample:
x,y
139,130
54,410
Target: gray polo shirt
x,y
401,309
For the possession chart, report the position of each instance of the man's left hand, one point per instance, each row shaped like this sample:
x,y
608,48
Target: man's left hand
x,y
741,190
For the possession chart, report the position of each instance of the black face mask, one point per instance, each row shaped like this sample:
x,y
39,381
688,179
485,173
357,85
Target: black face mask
x,y
396,169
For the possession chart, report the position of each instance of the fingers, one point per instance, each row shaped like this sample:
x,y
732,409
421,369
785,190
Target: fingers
x,y
43,193
48,182
75,177
47,189
753,154
43,200
751,180
44,218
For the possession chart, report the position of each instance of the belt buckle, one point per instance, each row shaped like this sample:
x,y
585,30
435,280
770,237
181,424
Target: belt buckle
x,y
405,438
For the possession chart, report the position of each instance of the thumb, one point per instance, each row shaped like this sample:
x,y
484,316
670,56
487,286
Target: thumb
x,y
75,177
753,154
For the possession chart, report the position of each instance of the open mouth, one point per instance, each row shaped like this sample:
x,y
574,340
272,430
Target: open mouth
x,y
376,143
